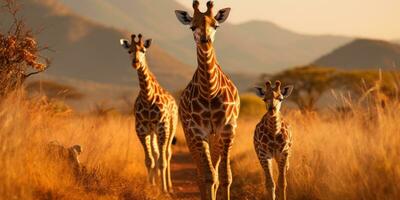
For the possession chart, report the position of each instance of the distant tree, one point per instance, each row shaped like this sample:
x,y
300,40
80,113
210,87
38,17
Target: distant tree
x,y
374,86
19,51
54,89
310,83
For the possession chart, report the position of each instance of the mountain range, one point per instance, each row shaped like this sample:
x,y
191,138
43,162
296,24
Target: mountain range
x,y
251,47
84,40
363,54
86,50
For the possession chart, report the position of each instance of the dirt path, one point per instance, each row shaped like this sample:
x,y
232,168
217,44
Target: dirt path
x,y
183,172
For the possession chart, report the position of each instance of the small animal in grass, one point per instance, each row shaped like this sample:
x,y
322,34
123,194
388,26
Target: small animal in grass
x,y
273,138
66,157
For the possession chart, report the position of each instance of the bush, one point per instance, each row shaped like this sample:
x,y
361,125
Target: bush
x,y
19,52
251,105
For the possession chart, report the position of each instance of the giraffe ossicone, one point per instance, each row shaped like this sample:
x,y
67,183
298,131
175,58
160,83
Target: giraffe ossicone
x,y
156,115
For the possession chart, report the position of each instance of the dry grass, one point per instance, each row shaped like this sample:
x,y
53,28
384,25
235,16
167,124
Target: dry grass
x,y
334,156
111,153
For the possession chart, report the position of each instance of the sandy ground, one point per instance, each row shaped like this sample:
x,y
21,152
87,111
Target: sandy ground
x,y
183,172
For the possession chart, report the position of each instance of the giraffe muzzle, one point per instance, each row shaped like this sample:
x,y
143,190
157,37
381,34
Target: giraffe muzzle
x,y
205,39
135,61
271,109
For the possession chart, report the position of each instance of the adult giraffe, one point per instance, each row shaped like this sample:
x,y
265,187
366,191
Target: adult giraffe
x,y
156,115
209,106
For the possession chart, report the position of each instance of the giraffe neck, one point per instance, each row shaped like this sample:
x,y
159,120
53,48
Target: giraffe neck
x,y
273,122
208,71
148,83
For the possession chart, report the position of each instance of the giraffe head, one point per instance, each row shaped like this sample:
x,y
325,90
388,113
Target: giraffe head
x,y
273,96
136,49
203,25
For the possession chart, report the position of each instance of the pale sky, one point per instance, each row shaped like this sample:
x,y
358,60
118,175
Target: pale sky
x,y
362,18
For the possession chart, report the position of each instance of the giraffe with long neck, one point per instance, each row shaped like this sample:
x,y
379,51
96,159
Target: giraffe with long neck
x,y
209,107
273,139
156,115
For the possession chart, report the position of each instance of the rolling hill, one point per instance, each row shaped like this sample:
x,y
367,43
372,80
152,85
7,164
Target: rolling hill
x,y
363,54
85,50
251,47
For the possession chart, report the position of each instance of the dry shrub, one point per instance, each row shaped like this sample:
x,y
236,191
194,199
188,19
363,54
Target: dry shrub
x,y
19,51
54,90
251,105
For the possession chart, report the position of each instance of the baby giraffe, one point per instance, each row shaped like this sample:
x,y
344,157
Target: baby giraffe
x,y
156,115
273,138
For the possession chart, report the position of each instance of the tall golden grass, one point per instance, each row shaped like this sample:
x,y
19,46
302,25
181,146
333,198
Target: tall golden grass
x,y
111,154
335,155
352,155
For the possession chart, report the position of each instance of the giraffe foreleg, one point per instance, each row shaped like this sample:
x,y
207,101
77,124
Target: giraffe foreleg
x,y
215,149
173,126
206,174
283,164
269,179
156,155
145,140
225,173
163,141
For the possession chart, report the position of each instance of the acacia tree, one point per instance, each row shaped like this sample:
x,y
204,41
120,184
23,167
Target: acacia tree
x,y
19,51
311,82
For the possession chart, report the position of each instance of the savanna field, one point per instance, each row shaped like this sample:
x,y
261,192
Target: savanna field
x,y
344,109
336,155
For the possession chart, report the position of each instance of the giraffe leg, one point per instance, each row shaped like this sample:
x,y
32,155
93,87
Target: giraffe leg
x,y
206,174
156,155
163,138
168,170
173,125
283,164
266,164
225,173
215,149
145,140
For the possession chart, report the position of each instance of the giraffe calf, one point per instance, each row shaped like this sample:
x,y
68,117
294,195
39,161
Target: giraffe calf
x,y
273,139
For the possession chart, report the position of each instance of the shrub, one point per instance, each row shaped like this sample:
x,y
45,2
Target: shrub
x,y
251,105
19,52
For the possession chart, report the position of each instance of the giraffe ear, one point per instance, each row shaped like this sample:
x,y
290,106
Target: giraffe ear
x,y
222,15
286,91
147,43
183,17
124,43
260,92
77,149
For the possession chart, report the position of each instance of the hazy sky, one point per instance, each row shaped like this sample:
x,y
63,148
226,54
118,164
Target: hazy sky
x,y
366,18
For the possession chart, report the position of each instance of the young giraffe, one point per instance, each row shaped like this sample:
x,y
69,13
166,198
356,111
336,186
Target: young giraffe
x,y
209,106
156,115
273,138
